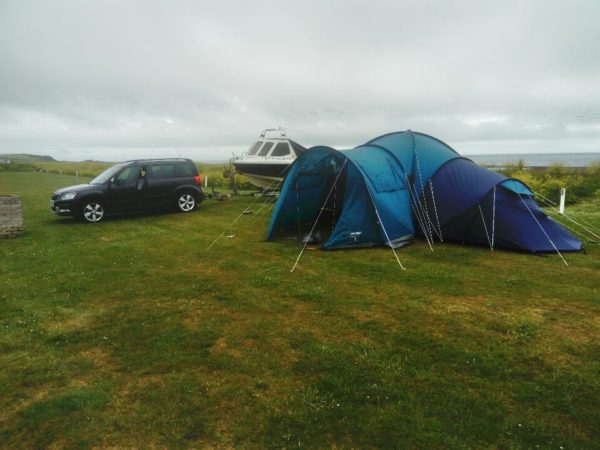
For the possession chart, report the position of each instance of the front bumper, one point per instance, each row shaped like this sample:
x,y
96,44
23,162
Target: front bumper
x,y
61,208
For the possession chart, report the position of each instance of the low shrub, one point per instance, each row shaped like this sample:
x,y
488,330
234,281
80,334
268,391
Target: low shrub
x,y
580,183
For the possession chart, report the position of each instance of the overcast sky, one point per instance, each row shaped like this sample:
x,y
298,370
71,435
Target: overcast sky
x,y
121,79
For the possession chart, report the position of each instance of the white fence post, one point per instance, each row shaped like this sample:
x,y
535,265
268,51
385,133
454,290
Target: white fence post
x,y
563,194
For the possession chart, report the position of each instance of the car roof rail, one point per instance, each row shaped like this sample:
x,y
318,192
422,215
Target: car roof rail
x,y
156,159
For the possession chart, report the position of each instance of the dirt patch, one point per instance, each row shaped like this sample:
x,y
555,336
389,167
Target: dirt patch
x,y
581,333
38,395
78,322
192,320
220,346
98,356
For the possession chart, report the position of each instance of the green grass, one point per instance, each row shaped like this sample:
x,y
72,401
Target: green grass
x,y
130,333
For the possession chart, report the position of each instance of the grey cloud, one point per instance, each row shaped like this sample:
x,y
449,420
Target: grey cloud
x,y
113,79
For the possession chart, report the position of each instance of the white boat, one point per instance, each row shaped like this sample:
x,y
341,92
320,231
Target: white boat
x,y
268,160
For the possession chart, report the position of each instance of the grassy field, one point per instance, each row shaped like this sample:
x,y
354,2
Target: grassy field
x,y
88,170
129,333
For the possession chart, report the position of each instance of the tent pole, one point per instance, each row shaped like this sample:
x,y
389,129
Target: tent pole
x,y
493,217
435,210
319,215
421,219
542,228
298,209
333,210
425,219
485,228
424,206
384,230
417,213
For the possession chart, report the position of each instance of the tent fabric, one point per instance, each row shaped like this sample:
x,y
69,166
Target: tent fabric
x,y
304,187
473,203
404,184
419,153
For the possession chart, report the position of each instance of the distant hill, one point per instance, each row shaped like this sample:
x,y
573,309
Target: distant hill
x,y
26,158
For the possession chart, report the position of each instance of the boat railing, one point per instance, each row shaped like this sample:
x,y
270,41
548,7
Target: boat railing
x,y
282,132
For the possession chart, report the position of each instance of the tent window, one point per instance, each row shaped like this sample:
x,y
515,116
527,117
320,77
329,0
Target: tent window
x,y
265,150
516,186
255,148
281,149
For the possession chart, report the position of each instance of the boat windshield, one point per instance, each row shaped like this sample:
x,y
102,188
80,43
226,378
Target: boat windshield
x,y
107,174
255,148
281,149
266,148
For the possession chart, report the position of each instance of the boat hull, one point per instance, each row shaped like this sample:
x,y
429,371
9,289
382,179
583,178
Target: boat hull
x,y
263,175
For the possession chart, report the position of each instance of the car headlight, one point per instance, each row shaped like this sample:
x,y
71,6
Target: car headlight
x,y
68,196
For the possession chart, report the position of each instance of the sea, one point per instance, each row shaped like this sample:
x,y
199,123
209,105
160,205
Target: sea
x,y
538,159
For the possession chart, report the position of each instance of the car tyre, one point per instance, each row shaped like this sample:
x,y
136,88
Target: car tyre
x,y
185,202
92,211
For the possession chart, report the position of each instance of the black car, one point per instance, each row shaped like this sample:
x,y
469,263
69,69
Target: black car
x,y
132,186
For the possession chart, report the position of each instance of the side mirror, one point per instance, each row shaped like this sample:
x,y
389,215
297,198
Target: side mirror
x,y
114,181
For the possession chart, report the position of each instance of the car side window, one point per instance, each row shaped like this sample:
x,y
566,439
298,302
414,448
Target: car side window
x,y
162,171
184,170
128,176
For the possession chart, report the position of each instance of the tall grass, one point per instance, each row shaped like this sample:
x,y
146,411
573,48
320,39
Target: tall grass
x,y
89,169
580,183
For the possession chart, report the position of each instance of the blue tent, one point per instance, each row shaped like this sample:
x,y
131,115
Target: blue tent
x,y
404,184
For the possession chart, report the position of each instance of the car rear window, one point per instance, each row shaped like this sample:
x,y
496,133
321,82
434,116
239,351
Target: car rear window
x,y
162,170
184,170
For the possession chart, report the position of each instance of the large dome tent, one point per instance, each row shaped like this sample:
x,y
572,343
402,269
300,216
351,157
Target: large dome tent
x,y
404,184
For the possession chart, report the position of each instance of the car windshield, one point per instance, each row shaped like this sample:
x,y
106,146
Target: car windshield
x,y
107,174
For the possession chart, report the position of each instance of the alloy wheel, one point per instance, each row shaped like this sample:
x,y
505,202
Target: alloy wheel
x,y
93,212
186,202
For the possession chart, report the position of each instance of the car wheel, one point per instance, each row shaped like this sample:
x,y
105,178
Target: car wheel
x,y
92,211
186,202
